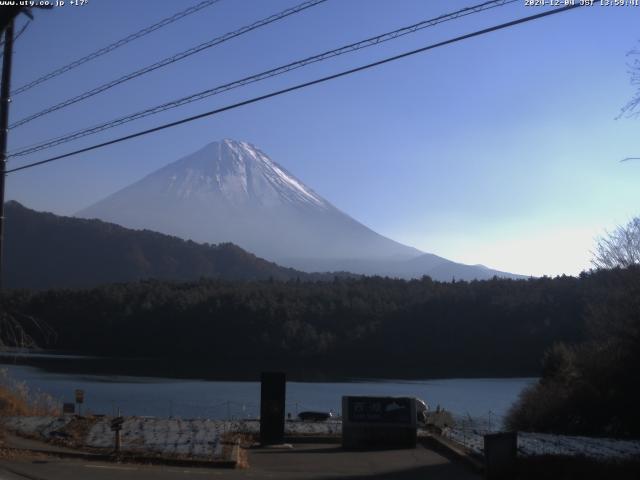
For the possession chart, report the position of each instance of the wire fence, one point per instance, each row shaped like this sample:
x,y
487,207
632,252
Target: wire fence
x,y
218,409
469,431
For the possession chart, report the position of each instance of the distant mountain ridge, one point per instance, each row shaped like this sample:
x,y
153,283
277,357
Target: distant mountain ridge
x,y
427,264
43,250
230,191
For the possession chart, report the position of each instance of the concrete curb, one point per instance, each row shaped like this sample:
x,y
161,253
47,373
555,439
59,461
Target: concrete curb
x,y
447,447
313,439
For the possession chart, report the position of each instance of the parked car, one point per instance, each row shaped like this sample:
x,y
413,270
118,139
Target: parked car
x,y
421,410
311,416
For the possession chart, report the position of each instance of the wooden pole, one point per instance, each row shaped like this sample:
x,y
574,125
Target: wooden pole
x,y
5,99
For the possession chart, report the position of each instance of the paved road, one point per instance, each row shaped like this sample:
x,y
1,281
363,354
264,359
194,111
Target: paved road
x,y
26,443
303,462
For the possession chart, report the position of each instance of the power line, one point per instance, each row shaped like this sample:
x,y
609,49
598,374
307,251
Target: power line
x,y
170,60
115,45
17,36
372,41
299,86
20,32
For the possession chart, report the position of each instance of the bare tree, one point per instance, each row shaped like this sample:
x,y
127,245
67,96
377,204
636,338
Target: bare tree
x,y
631,108
620,248
13,333
18,329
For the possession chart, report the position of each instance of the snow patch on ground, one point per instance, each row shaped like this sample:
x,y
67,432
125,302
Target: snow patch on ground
x,y
332,427
193,438
198,438
41,426
202,438
532,444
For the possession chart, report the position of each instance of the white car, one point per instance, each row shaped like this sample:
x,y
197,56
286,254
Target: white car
x,y
421,410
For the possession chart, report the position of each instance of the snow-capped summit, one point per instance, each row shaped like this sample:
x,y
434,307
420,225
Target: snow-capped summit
x,y
241,174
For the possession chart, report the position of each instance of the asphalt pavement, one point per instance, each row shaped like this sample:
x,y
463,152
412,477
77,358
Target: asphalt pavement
x,y
305,461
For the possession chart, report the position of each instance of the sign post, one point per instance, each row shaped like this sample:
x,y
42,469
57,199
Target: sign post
x,y
116,427
79,400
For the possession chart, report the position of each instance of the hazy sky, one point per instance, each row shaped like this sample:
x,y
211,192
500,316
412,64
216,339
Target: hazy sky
x,y
502,150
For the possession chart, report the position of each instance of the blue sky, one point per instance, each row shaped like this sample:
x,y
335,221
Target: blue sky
x,y
502,150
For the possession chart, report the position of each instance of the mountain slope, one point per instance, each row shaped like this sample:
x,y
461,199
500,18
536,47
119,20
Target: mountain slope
x,y
43,250
230,191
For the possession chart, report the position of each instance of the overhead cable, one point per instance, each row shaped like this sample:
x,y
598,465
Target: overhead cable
x,y
372,41
113,46
170,60
299,86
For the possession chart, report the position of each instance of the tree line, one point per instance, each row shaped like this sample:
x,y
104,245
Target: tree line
x,y
372,326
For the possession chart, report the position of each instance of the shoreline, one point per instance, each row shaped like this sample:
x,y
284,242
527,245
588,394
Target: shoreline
x,y
78,364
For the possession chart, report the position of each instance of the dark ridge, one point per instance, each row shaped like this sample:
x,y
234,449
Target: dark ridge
x,y
43,251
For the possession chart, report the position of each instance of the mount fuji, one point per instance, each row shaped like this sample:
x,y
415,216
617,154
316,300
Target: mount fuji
x,y
230,191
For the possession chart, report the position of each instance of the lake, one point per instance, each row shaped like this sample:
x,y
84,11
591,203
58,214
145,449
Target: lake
x,y
488,398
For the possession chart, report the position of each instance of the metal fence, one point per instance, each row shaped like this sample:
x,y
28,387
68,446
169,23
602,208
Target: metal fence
x,y
469,431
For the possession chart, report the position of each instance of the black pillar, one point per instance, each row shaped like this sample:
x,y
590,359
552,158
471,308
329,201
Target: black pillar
x,y
272,396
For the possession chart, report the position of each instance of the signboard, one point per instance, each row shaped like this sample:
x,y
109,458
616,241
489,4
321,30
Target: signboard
x,y
68,408
380,410
116,424
379,422
79,396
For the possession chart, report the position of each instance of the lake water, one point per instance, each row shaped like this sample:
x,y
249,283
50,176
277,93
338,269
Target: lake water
x,y
486,398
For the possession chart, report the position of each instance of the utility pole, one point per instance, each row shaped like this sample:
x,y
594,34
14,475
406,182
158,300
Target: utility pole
x,y
5,99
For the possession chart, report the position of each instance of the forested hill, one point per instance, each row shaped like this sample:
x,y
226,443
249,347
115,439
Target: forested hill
x,y
43,250
366,327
